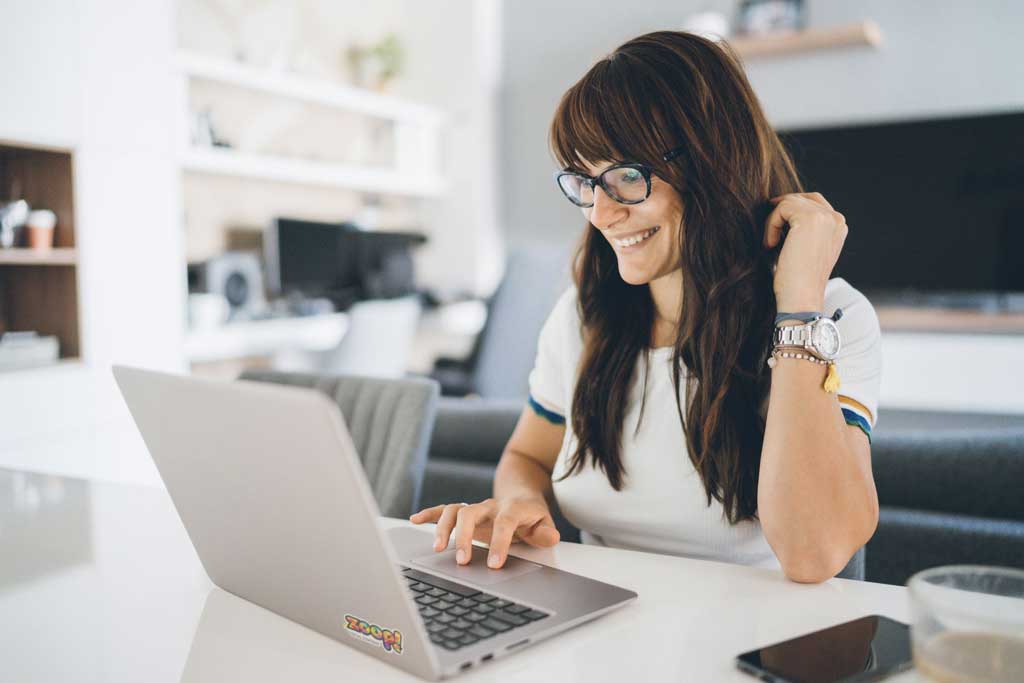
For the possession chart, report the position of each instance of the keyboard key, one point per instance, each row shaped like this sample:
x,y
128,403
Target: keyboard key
x,y
483,609
473,616
462,624
495,625
501,604
436,627
516,609
457,611
451,597
436,592
426,600
445,619
429,612
437,638
441,604
451,645
457,588
468,639
453,633
513,619
484,597
481,631
533,615
419,587
467,602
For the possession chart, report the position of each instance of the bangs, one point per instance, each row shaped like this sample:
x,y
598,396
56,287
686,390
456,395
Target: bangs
x,y
600,118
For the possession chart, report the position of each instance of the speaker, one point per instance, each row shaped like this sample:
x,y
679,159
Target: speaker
x,y
235,275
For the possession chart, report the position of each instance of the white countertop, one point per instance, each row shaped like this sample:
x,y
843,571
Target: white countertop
x,y
98,582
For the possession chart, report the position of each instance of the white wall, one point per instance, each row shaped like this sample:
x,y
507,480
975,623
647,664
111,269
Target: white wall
x,y
95,77
939,58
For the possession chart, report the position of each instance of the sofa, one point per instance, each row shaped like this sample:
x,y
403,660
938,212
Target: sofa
x,y
950,485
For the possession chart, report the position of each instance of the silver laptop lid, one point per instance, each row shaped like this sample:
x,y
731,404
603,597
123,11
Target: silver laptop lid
x,y
267,483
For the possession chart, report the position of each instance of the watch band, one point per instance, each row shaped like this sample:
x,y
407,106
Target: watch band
x,y
807,316
802,316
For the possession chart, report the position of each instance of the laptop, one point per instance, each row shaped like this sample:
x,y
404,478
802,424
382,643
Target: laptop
x,y
272,494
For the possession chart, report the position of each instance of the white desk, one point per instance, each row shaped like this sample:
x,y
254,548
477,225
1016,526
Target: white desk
x,y
99,583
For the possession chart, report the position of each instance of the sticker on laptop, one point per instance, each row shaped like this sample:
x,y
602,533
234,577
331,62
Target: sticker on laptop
x,y
389,639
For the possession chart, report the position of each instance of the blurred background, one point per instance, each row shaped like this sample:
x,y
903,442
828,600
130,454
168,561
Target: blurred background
x,y
221,185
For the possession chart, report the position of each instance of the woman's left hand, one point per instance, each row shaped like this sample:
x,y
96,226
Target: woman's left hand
x,y
813,243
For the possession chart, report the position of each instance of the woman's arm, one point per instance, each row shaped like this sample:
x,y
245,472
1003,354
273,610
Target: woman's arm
x,y
816,495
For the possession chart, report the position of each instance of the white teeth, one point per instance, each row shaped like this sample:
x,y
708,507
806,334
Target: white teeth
x,y
634,240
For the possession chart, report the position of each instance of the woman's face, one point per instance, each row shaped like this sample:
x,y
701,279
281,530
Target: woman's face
x,y
654,222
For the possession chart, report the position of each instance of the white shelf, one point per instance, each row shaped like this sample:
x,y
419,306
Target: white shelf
x,y
280,169
307,89
265,337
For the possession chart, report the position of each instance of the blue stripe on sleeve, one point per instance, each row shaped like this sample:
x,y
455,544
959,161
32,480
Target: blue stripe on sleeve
x,y
857,420
550,416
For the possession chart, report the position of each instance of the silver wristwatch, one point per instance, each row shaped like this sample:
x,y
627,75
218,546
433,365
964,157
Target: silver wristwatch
x,y
820,337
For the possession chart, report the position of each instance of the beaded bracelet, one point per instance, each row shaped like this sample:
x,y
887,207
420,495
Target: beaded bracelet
x,y
831,383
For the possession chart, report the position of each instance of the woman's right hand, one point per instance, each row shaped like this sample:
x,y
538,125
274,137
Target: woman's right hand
x,y
496,522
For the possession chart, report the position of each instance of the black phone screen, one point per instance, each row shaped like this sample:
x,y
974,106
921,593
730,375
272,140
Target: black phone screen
x,y
864,649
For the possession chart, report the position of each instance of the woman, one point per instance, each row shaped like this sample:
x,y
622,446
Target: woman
x,y
663,416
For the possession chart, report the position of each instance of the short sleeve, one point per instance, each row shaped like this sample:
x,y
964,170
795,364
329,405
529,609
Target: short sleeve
x,y
551,374
860,356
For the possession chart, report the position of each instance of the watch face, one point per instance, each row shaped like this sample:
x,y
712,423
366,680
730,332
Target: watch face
x,y
825,338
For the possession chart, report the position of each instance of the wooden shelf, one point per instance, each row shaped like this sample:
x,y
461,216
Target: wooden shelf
x,y
39,289
59,256
864,33
231,162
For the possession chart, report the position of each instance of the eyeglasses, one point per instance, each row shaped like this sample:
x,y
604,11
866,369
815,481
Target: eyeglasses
x,y
626,183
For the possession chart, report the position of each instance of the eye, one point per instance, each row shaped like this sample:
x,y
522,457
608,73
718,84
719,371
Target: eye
x,y
631,175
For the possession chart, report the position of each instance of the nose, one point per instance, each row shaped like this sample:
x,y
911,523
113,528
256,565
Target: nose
x,y
606,212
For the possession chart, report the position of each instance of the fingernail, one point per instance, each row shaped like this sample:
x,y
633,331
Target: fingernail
x,y
493,560
460,556
438,544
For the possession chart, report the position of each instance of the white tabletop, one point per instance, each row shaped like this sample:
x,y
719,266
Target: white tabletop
x,y
98,582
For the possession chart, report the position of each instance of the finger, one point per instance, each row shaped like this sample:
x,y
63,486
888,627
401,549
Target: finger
x,y
501,538
543,534
775,222
427,515
466,520
443,531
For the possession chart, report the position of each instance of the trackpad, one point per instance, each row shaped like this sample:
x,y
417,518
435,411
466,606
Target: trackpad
x,y
477,570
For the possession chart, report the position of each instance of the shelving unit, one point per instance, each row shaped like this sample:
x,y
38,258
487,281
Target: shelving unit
x,y
416,171
39,289
864,33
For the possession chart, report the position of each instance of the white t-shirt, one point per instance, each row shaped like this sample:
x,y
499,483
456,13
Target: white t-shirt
x,y
662,506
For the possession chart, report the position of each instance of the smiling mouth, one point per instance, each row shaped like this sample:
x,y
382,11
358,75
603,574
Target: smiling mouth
x,y
638,239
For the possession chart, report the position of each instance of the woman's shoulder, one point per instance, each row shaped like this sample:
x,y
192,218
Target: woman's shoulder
x,y
841,294
859,319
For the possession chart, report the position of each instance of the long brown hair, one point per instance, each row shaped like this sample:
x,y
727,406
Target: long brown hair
x,y
658,92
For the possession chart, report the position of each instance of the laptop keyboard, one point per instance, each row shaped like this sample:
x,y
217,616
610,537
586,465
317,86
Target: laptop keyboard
x,y
457,616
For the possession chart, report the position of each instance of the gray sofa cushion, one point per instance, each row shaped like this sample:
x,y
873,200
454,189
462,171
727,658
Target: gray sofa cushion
x,y
948,483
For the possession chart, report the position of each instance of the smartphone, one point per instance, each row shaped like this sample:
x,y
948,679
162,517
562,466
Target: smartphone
x,y
865,649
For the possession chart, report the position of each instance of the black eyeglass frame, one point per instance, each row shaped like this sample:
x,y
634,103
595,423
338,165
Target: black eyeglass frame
x,y
645,170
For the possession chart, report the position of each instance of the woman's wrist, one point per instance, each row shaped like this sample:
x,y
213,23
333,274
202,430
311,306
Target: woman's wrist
x,y
790,302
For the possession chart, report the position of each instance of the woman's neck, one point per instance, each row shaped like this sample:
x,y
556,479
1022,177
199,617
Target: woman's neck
x,y
667,295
